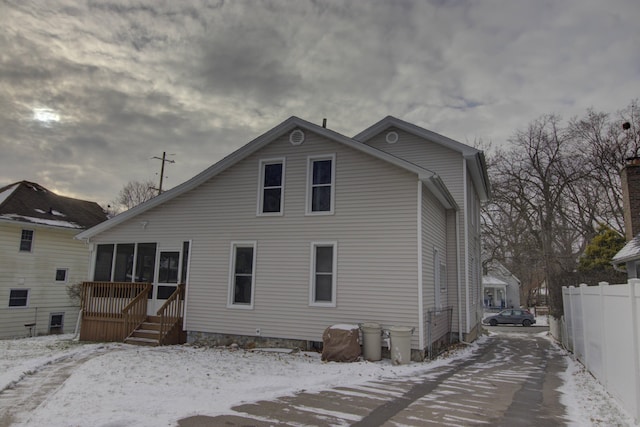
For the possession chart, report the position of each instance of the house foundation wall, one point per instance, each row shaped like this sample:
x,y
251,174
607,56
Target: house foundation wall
x,y
210,339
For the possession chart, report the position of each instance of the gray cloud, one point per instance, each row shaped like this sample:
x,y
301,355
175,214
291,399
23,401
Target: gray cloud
x,y
131,79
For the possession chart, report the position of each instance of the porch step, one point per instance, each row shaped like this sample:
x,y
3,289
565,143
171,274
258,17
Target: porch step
x,y
142,341
148,333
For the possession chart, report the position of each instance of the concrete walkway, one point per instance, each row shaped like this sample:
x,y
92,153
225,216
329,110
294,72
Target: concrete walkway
x,y
511,381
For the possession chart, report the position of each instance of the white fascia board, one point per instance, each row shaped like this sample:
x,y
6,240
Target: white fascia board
x,y
415,130
435,184
478,169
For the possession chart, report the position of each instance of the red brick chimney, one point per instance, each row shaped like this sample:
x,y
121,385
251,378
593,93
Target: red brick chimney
x,y
630,179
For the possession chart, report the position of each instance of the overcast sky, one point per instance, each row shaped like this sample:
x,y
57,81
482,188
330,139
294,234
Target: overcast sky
x,y
90,91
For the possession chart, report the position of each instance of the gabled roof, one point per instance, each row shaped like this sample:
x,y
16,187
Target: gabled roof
x,y
430,179
475,158
630,252
31,203
493,281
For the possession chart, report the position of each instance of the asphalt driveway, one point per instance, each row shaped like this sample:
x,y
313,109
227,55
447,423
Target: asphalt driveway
x,y
512,380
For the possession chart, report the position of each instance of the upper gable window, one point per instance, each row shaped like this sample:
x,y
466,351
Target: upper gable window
x,y
26,241
321,180
271,192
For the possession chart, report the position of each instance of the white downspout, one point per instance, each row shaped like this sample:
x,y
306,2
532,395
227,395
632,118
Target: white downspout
x,y
420,281
466,240
459,276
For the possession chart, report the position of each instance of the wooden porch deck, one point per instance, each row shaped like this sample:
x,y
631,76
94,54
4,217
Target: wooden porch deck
x,y
113,311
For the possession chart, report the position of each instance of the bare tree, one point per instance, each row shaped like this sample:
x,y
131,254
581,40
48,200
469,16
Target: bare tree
x,y
132,194
553,186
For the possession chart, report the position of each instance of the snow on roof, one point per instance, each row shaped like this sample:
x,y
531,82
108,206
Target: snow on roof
x,y
43,221
493,281
629,252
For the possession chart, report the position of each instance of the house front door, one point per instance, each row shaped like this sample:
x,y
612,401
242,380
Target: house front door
x,y
167,279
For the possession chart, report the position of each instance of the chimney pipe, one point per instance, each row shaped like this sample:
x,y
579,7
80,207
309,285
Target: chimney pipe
x,y
630,180
324,123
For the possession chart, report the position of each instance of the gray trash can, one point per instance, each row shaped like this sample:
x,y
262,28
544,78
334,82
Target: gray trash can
x,y
371,341
400,344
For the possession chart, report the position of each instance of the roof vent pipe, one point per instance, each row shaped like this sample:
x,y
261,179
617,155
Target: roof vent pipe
x,y
324,123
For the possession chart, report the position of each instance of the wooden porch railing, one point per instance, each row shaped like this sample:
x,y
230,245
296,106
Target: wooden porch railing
x,y
136,311
102,306
171,315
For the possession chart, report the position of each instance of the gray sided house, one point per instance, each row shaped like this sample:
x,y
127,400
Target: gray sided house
x,y
500,288
303,228
39,258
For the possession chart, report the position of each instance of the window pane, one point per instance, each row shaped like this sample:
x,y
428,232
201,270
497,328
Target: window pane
x,y
55,323
146,262
168,271
244,260
124,263
61,275
185,262
18,297
273,175
164,292
25,240
104,257
324,259
242,290
323,287
321,199
271,200
322,172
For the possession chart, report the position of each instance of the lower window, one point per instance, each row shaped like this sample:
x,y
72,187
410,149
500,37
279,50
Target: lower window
x,y
18,297
242,274
323,273
56,323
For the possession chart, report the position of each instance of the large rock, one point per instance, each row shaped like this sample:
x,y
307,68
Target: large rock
x,y
341,343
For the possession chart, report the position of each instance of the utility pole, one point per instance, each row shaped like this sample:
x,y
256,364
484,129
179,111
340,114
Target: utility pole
x,y
164,160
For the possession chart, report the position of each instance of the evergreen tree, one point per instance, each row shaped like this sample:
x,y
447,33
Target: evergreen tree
x,y
600,250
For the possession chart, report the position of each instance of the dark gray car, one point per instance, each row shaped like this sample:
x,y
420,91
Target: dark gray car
x,y
512,316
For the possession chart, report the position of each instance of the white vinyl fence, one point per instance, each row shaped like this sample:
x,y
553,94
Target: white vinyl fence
x,y
602,328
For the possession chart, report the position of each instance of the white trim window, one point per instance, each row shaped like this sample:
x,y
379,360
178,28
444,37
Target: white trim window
x,y
439,280
321,177
62,274
19,298
26,240
324,256
242,267
271,187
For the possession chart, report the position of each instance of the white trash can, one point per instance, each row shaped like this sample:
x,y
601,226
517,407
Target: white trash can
x,y
371,341
400,344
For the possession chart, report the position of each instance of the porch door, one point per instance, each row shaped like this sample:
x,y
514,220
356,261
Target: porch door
x,y
168,269
171,268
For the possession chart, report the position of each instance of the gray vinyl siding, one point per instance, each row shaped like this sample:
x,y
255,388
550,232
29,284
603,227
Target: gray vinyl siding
x,y
374,225
449,165
475,264
52,249
453,273
433,237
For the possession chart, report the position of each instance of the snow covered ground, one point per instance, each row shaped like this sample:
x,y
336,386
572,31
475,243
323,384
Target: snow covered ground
x,y
154,386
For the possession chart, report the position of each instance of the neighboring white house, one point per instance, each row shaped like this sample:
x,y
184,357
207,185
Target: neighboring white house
x,y
303,228
500,288
39,258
